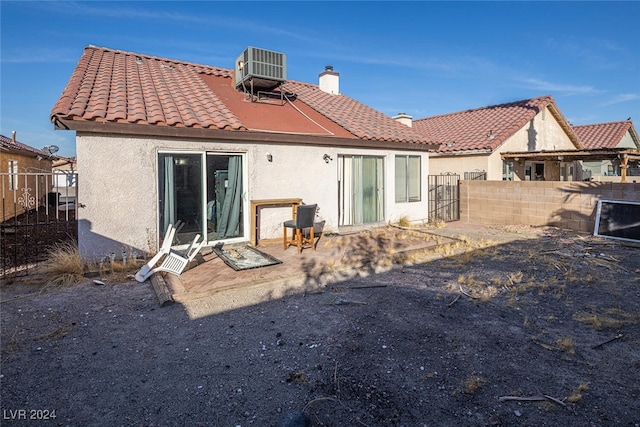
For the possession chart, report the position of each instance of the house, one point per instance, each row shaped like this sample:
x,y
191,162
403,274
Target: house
x,y
65,178
226,152
471,141
604,137
22,184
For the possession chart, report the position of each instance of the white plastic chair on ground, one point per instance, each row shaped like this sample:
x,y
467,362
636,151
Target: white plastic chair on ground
x,y
174,261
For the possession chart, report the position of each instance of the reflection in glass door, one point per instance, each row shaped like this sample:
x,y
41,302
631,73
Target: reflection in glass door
x,y
180,194
209,204
361,189
224,197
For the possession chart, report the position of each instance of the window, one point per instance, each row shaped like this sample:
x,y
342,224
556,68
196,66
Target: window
x,y
507,170
407,179
13,175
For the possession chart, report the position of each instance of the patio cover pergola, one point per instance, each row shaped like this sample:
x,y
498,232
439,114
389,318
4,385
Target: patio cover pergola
x,y
623,154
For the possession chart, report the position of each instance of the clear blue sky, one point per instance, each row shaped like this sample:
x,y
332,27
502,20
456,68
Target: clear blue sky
x,y
422,58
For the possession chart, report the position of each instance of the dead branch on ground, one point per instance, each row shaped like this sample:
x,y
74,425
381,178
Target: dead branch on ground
x,y
617,337
454,301
540,398
462,290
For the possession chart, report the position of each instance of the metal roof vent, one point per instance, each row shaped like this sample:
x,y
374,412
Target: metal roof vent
x,y
260,68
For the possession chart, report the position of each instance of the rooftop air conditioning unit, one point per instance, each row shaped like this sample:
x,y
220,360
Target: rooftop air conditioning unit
x,y
264,69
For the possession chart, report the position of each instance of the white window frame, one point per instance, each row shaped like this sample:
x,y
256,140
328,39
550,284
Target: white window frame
x,y
13,175
405,176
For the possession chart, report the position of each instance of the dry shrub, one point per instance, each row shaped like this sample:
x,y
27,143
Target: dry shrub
x,y
469,281
478,289
481,243
437,223
572,276
473,384
576,395
516,277
404,221
64,266
297,378
488,293
465,246
466,258
497,281
611,318
566,344
445,250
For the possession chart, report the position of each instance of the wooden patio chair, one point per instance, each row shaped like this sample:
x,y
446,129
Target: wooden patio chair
x,y
303,222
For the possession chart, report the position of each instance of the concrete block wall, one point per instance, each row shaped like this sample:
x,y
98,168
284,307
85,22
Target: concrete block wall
x,y
570,205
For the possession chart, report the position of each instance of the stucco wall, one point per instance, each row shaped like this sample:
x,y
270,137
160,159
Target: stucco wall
x,y
545,134
569,205
458,164
627,141
119,187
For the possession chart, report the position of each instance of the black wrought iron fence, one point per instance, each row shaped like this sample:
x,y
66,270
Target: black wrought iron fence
x,y
38,210
476,175
444,197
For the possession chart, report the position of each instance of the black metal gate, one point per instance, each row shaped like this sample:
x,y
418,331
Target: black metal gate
x,y
444,197
37,211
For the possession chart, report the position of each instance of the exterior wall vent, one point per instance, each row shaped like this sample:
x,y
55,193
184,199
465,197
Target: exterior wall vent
x,y
260,68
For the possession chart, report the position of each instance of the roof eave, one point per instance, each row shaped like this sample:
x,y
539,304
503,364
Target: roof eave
x,y
573,155
555,111
480,152
257,137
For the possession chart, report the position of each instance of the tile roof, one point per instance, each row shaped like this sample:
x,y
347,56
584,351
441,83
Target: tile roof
x,y
359,119
8,144
113,86
604,135
486,128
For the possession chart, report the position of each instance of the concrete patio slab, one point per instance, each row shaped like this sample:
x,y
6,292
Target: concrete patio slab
x,y
336,258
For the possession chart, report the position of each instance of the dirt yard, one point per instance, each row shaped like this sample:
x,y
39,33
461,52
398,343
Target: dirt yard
x,y
517,326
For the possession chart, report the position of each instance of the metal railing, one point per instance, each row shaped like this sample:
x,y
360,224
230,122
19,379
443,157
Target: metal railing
x,y
37,211
475,176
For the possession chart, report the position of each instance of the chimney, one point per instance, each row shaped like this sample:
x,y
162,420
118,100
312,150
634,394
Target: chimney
x,y
405,119
330,81
13,136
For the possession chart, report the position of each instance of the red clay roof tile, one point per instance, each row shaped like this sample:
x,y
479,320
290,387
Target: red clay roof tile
x,y
124,87
483,128
8,144
604,135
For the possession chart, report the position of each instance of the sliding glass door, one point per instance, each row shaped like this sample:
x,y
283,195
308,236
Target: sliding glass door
x,y
201,193
361,189
224,197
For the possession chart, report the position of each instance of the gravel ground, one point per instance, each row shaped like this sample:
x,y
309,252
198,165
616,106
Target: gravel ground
x,y
518,326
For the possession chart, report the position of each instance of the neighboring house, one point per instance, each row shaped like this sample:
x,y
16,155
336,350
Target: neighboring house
x,y
65,178
162,141
609,136
471,141
23,184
